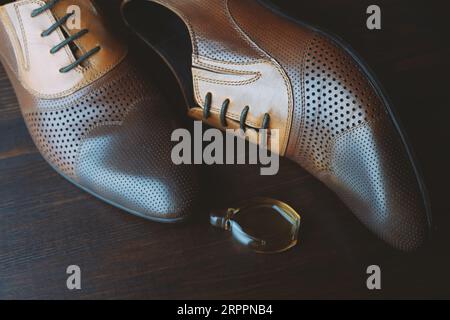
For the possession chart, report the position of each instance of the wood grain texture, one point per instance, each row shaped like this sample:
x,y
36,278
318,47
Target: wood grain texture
x,y
47,224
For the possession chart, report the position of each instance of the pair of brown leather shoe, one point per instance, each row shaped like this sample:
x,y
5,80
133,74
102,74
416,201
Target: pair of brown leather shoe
x,y
102,125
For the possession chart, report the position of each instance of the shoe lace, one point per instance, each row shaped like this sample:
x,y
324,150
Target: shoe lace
x,y
69,40
223,112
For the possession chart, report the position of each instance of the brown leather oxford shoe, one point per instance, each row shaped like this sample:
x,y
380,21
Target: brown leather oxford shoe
x,y
93,116
333,118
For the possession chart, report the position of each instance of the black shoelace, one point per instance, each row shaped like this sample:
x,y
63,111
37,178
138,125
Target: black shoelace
x,y
69,40
223,112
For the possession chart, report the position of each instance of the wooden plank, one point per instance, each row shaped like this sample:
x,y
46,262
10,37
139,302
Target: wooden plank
x,y
47,224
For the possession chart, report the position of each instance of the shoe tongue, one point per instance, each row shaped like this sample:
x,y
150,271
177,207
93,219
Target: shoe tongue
x,y
87,17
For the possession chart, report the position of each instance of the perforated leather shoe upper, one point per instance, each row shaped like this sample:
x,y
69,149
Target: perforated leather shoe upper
x,y
333,120
94,117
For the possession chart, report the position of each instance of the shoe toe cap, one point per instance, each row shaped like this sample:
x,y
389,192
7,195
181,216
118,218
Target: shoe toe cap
x,y
129,165
349,140
373,174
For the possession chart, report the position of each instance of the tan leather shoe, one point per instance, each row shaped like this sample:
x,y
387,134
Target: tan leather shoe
x,y
92,115
333,118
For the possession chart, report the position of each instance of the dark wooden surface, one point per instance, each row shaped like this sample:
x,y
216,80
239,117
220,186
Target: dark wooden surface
x,y
47,224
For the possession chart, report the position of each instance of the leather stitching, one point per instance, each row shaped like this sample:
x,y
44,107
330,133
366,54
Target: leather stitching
x,y
229,83
81,84
52,19
252,62
92,92
13,43
286,82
